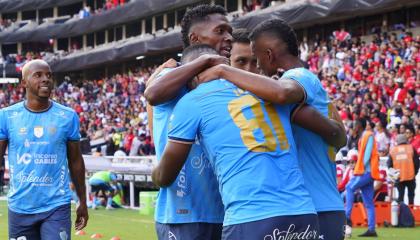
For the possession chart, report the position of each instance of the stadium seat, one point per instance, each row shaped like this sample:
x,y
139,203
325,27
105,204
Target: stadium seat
x,y
383,213
415,209
358,216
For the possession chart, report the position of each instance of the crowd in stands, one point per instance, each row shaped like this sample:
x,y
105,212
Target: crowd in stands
x,y
112,109
253,5
378,80
5,23
86,11
20,59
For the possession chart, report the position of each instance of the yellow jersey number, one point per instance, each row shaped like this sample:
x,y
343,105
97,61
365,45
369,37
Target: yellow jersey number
x,y
248,126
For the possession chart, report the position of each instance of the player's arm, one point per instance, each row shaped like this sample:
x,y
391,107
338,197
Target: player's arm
x,y
331,130
286,91
3,146
166,87
77,173
149,110
3,138
173,158
184,124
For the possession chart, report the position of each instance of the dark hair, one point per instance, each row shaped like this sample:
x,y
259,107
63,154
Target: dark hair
x,y
195,15
280,30
195,51
361,122
240,35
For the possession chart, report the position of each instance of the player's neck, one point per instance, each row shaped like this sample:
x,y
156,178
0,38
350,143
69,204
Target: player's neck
x,y
289,62
38,105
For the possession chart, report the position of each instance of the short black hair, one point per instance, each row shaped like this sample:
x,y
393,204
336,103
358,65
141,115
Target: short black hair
x,y
241,35
279,29
195,51
195,15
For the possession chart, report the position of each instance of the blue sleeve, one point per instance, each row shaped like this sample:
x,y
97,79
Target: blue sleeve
x,y
185,121
74,128
368,152
4,135
304,80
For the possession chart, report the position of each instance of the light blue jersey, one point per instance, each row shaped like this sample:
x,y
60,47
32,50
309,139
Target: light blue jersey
x,y
194,196
317,159
37,154
251,148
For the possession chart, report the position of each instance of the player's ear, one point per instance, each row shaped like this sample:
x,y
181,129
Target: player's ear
x,y
23,82
193,38
270,55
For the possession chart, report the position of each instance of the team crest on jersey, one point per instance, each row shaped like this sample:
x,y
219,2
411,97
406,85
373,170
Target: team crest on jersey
x,y
38,131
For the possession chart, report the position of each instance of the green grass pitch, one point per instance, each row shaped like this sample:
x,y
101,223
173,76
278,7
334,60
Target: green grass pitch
x,y
130,225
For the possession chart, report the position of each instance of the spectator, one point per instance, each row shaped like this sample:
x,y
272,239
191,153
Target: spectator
x,y
135,146
382,139
405,159
413,139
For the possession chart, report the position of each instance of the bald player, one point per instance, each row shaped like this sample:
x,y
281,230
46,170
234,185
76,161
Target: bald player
x,y
43,143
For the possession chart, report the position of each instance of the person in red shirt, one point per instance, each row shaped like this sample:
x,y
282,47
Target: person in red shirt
x,y
413,138
381,186
400,93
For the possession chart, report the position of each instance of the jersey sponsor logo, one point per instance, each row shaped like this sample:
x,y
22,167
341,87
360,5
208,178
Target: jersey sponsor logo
x,y
19,238
181,183
291,234
32,178
63,235
23,131
60,114
171,236
62,179
28,143
13,115
27,158
38,131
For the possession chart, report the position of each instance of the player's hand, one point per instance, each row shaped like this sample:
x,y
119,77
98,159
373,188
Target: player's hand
x,y
171,63
82,216
210,74
213,60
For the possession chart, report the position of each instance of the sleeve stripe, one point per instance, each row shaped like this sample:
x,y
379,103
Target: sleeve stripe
x,y
181,140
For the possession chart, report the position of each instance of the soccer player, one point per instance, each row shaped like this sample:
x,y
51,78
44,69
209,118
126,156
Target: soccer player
x,y
203,24
251,149
241,54
42,137
103,181
191,208
275,45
